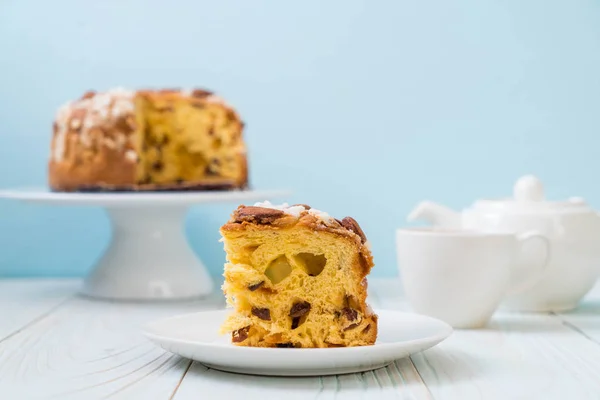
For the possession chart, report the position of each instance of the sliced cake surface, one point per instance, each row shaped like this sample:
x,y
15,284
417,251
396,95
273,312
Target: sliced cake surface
x,y
296,277
166,139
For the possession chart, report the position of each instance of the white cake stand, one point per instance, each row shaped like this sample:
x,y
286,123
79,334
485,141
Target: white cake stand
x,y
148,257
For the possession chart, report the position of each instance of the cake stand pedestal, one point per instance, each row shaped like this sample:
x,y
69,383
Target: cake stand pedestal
x,y
148,257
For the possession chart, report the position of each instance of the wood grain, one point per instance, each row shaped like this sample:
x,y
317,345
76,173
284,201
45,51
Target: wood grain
x,y
88,349
23,301
585,319
397,381
54,345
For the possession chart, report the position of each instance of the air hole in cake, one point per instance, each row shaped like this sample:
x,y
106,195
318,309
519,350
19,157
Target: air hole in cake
x,y
278,270
313,264
245,254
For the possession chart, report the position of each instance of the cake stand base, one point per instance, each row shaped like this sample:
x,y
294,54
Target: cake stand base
x,y
148,258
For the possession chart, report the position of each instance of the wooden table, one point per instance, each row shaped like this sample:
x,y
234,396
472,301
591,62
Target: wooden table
x,y
57,345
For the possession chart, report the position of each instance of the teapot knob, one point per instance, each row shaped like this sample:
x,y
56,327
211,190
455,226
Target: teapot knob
x,y
528,188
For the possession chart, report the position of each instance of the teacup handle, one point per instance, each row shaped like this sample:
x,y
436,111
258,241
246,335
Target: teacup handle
x,y
536,269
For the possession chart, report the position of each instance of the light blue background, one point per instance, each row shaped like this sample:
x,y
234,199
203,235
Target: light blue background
x,y
362,107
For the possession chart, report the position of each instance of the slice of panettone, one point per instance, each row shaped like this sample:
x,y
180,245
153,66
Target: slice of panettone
x,y
296,277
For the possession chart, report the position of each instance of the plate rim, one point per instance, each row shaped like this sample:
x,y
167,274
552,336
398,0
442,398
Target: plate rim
x,y
448,331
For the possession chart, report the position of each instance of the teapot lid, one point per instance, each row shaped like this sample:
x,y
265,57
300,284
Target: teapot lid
x,y
528,197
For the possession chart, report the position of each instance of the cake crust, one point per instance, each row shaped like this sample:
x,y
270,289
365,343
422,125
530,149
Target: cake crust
x,y
296,277
98,144
265,218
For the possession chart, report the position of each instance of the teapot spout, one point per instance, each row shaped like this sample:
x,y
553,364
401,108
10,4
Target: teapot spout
x,y
435,214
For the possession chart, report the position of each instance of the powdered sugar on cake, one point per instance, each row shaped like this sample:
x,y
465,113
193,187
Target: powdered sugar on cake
x,y
90,112
295,211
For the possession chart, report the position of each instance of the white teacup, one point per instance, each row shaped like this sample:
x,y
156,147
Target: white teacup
x,y
461,276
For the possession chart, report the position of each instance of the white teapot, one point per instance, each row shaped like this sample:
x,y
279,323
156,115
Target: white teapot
x,y
572,227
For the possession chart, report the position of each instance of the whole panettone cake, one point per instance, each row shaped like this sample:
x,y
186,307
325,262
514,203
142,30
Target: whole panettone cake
x,y
296,277
147,140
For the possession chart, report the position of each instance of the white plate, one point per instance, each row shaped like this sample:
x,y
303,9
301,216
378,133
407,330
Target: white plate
x,y
195,336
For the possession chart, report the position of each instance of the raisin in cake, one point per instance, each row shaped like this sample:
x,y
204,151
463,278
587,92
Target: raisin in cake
x,y
296,277
147,140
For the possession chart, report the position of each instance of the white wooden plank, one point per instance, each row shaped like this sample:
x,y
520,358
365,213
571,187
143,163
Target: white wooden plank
x,y
516,356
91,349
398,381
586,317
23,301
